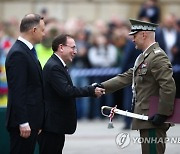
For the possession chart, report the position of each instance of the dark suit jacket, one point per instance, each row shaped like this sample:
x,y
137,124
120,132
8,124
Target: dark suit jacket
x,y
60,107
161,40
25,87
176,57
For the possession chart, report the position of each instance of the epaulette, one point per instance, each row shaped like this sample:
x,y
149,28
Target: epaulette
x,y
157,51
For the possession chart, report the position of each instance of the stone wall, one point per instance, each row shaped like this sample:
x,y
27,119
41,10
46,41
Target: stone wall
x,y
90,10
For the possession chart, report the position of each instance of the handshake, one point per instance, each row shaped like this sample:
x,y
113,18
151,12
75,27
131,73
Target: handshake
x,y
99,89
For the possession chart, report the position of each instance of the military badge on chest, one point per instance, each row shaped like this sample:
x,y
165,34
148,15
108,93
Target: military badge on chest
x,y
142,70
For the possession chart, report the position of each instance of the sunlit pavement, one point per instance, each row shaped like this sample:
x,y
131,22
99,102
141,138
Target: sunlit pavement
x,y
93,137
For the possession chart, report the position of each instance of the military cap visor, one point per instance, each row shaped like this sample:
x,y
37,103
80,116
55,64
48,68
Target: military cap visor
x,y
137,25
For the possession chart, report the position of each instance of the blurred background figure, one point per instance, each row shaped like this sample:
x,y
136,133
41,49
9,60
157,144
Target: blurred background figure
x,y
44,50
178,25
101,54
150,11
168,38
7,38
44,13
81,61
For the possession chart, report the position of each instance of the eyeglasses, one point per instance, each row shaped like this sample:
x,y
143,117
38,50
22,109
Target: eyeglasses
x,y
73,48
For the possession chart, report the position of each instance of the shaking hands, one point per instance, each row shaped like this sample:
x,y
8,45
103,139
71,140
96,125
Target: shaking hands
x,y
99,89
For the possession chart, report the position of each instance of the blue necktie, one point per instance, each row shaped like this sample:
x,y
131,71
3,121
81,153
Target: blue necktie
x,y
34,52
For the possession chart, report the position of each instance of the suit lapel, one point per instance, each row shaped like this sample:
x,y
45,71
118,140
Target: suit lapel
x,y
36,61
63,68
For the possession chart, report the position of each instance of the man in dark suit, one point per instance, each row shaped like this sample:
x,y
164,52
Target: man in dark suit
x,y
60,94
169,40
25,109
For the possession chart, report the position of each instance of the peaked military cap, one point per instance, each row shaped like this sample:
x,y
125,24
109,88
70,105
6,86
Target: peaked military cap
x,y
137,25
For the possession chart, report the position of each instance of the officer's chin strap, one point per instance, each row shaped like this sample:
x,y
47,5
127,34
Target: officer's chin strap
x,y
111,115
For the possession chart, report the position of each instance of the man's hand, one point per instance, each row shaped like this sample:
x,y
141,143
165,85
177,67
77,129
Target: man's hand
x,y
158,119
99,92
25,131
99,89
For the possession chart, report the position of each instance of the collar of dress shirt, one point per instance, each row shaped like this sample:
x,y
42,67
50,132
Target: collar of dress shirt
x,y
148,48
30,46
64,64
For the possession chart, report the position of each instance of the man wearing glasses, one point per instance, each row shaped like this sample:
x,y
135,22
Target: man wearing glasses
x,y
60,94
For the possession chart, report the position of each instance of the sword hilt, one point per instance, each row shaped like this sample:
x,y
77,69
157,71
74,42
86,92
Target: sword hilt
x,y
106,108
114,110
111,109
110,116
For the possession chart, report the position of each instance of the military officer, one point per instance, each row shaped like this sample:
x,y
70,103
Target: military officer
x,y
150,76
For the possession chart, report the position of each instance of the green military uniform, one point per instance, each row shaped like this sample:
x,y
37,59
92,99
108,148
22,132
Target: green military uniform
x,y
151,76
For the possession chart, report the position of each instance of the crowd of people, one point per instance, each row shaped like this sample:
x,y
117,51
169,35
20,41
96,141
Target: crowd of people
x,y
100,45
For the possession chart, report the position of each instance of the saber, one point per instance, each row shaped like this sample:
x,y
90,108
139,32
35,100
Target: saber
x,y
114,110
124,113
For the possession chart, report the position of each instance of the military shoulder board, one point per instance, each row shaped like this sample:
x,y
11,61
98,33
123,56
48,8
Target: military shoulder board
x,y
157,51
